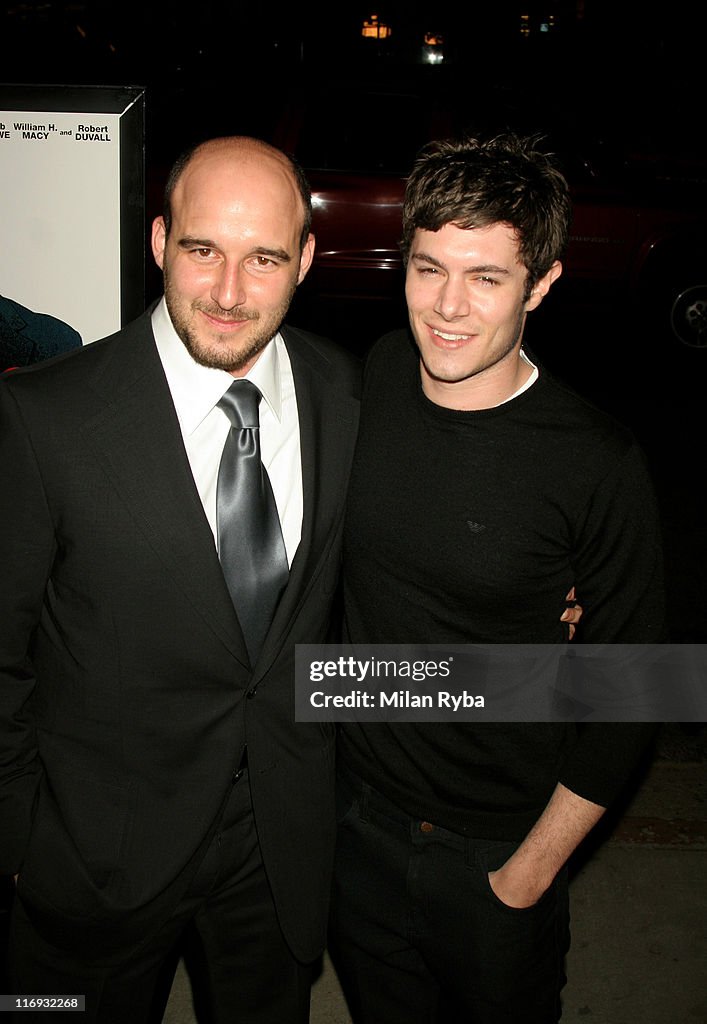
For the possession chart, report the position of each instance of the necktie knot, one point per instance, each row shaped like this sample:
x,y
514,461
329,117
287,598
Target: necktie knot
x,y
240,403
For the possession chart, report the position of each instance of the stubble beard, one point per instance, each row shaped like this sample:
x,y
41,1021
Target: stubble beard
x,y
220,354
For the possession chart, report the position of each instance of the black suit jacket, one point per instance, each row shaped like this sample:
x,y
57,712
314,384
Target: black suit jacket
x,y
126,694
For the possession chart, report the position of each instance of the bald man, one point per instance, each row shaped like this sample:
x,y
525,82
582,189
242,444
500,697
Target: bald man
x,y
151,773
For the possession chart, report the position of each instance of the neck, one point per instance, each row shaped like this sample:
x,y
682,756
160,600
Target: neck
x,y
484,390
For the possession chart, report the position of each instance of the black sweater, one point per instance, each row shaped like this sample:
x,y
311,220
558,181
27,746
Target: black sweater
x,y
470,527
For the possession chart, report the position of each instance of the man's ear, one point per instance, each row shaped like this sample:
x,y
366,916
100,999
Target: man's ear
x,y
306,259
159,240
542,287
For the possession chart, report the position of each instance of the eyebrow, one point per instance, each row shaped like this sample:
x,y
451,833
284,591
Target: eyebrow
x,y
482,268
189,242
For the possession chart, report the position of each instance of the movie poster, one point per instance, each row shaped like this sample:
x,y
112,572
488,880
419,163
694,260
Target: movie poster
x,y
72,216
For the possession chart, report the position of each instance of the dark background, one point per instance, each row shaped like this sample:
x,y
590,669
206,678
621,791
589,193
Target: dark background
x,y
225,67
616,76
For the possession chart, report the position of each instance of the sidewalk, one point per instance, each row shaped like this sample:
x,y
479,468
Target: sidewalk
x,y
639,908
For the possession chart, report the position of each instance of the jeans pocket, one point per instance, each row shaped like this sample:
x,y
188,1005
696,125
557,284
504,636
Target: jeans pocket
x,y
491,858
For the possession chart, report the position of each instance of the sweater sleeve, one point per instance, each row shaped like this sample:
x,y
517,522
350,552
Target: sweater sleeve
x,y
618,558
619,580
604,758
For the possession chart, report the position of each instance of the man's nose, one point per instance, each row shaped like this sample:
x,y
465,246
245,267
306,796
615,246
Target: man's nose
x,y
452,299
229,287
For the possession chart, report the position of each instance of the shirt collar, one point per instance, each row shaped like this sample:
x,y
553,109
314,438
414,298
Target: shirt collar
x,y
535,373
197,389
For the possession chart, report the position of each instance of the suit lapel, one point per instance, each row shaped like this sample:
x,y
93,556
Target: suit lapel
x,y
137,438
138,441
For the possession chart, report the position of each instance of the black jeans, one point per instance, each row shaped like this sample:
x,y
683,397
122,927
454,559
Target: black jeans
x,y
418,935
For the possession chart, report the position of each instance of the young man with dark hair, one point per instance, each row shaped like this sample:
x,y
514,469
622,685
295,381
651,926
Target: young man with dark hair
x,y
481,491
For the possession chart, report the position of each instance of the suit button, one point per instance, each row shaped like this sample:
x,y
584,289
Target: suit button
x,y
250,694
426,827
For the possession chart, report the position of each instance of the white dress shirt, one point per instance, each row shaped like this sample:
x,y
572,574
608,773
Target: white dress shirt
x,y
197,389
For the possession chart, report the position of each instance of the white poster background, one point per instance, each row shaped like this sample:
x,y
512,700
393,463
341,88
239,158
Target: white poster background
x,y
60,216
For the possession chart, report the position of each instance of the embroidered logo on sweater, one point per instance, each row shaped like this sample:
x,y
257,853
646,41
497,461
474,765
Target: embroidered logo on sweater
x,y
475,527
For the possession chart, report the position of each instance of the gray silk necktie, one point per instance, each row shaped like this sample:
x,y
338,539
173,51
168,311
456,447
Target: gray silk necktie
x,y
250,544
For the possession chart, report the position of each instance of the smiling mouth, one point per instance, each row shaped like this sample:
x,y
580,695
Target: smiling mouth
x,y
227,322
450,337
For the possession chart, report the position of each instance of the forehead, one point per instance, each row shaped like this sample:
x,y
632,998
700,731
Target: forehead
x,y
238,192
493,244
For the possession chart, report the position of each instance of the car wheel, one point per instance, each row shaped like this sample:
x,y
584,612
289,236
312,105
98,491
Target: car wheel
x,y
688,316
